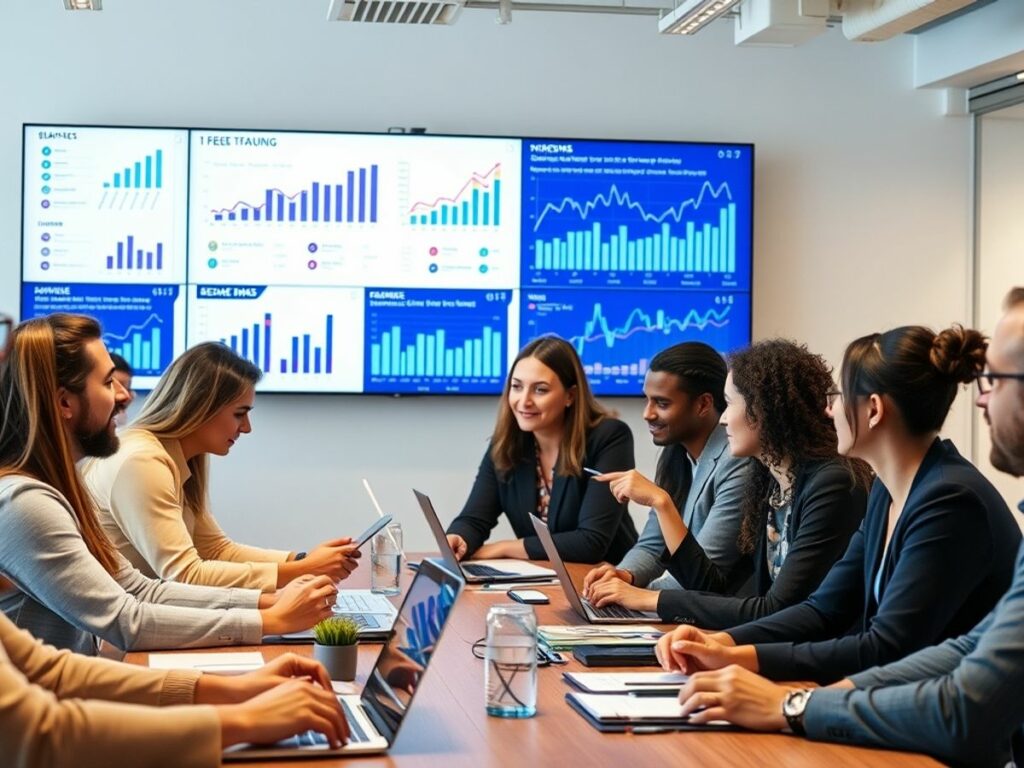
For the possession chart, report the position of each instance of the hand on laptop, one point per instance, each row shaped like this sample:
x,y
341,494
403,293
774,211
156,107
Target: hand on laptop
x,y
234,689
458,545
336,558
615,591
601,573
300,605
294,706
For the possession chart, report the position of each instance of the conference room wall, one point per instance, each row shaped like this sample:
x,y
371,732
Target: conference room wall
x,y
862,196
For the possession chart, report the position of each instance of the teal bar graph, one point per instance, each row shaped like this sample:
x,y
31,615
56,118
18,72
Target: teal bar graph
x,y
477,204
142,352
147,173
711,248
428,354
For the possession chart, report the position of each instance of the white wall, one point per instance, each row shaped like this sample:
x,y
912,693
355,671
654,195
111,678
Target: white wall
x,y
1000,251
861,218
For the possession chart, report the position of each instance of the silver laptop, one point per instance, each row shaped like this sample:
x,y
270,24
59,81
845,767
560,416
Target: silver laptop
x,y
609,614
479,571
375,716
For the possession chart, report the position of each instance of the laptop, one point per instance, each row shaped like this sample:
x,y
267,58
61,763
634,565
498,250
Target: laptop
x,y
479,571
375,716
609,614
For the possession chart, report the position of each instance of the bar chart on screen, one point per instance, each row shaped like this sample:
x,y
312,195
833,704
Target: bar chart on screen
x,y
435,341
617,332
659,217
303,339
139,322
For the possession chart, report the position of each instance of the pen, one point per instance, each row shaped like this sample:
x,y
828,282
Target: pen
x,y
642,729
518,585
593,471
653,692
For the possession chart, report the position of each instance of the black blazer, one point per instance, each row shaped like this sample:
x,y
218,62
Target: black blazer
x,y
586,522
950,559
827,508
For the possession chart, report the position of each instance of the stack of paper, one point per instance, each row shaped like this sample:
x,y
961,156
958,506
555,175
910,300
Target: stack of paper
x,y
561,638
222,663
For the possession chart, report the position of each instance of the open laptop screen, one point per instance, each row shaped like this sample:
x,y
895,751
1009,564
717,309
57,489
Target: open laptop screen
x,y
399,670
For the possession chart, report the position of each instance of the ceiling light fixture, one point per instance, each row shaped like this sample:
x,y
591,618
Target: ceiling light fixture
x,y
691,15
83,5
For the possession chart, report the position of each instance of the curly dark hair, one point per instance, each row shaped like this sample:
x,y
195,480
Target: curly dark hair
x,y
785,388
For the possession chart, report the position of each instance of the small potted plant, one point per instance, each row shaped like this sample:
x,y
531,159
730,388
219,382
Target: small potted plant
x,y
335,647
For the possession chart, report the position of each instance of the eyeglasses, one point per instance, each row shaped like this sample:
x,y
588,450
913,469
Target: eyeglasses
x,y
986,379
831,396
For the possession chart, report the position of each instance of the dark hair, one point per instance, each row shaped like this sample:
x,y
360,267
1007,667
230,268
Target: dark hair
x,y
697,367
785,387
918,369
510,445
45,354
120,364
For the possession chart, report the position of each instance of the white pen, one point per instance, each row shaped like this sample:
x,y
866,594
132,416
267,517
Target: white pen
x,y
593,471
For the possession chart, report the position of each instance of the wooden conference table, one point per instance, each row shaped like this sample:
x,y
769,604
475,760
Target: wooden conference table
x,y
447,724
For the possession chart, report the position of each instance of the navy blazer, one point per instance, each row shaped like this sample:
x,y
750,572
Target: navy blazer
x,y
827,508
950,559
586,522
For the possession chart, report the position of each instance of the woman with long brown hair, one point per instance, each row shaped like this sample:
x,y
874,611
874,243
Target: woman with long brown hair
x,y
549,428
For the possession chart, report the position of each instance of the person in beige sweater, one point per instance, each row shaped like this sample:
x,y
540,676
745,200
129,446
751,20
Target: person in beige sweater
x,y
61,709
152,494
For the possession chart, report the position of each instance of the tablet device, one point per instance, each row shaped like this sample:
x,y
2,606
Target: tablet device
x,y
375,526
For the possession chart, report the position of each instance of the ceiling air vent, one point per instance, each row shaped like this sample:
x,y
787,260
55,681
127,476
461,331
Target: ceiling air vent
x,y
396,11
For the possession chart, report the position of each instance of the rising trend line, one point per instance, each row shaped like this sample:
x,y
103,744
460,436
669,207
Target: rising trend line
x,y
693,319
624,198
133,328
479,178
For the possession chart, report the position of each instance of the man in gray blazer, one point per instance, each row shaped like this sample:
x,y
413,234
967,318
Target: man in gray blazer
x,y
960,701
684,401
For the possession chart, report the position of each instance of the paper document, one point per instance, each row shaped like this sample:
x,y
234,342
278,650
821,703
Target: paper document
x,y
222,663
562,637
624,682
625,707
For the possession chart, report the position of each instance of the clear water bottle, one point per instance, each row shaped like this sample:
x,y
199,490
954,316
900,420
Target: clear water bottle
x,y
510,661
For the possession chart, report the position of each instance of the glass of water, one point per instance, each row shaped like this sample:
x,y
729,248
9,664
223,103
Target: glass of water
x,y
386,560
510,661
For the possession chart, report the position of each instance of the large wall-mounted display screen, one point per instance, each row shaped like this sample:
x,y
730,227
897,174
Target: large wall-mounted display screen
x,y
383,263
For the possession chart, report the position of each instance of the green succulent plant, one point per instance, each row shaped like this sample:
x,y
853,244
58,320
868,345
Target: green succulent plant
x,y
336,631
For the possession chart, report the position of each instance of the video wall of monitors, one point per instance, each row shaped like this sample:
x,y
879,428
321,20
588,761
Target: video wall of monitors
x,y
383,263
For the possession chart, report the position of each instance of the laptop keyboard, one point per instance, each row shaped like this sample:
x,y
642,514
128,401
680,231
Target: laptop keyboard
x,y
352,606
614,611
316,739
484,570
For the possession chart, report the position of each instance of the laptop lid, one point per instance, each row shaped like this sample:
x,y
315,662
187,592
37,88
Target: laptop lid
x,y
548,543
399,670
447,554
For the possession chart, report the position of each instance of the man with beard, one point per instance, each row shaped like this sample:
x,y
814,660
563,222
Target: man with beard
x,y
59,398
697,477
959,701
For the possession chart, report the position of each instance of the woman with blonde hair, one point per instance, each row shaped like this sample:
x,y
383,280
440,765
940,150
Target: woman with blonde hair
x,y
549,428
153,494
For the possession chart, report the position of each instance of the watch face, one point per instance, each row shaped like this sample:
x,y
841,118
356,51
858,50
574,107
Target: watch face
x,y
795,703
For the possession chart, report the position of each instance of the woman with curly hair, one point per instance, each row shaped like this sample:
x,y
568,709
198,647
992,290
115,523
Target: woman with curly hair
x,y
801,506
938,544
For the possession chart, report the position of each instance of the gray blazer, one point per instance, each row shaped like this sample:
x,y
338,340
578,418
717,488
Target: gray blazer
x,y
959,701
712,513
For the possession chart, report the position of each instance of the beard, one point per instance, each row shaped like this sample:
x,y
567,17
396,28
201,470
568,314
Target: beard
x,y
100,443
1007,454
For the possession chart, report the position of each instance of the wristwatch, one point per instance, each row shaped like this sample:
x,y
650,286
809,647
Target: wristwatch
x,y
793,707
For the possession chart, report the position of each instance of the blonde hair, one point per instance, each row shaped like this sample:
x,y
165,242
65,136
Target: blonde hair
x,y
510,445
197,385
44,355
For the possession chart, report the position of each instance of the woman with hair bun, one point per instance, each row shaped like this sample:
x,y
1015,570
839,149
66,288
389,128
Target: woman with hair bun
x,y
934,555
